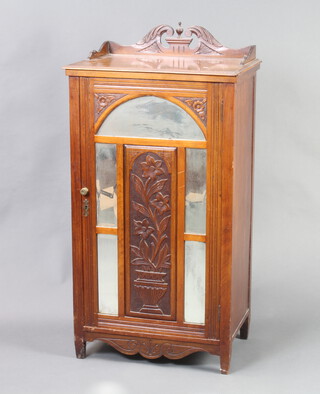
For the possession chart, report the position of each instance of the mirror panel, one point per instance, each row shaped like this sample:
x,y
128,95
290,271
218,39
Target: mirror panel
x,y
195,211
106,185
194,287
108,273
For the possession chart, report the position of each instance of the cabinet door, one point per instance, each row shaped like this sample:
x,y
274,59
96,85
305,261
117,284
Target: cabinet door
x,y
145,236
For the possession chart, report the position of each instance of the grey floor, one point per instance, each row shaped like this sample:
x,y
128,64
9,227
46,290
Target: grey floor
x,y
37,354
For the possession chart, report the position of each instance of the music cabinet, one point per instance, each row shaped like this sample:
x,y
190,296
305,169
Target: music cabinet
x,y
161,160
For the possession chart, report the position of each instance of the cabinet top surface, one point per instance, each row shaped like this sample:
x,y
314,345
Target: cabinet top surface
x,y
173,54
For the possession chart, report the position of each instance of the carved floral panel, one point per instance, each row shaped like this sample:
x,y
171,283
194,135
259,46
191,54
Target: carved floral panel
x,y
150,232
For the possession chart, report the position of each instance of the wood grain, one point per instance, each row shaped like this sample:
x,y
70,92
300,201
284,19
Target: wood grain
x,y
106,230
195,237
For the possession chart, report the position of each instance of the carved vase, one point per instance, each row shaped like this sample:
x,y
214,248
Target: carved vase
x,y
151,287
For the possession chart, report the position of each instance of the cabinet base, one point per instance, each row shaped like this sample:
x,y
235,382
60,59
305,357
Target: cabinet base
x,y
151,348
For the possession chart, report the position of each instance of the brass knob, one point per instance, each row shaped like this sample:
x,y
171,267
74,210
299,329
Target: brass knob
x,y
84,191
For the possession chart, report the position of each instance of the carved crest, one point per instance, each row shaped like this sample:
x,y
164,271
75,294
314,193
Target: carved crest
x,y
177,45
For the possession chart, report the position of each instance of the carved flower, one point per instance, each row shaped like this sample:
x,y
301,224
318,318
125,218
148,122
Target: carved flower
x,y
161,203
103,101
151,168
142,228
199,106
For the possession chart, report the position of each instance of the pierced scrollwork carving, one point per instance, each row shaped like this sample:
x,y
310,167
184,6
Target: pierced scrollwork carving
x,y
151,42
207,43
150,348
198,106
102,101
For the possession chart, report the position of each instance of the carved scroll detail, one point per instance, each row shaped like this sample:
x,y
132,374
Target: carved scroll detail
x,y
151,349
151,42
207,43
198,106
102,101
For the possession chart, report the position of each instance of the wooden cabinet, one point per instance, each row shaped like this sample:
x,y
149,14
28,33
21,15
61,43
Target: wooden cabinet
x,y
161,160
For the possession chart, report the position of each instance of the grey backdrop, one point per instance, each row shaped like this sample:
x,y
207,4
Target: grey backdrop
x,y
37,355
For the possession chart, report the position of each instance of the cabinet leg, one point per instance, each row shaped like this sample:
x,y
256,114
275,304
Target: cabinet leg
x,y
244,330
225,363
80,345
225,358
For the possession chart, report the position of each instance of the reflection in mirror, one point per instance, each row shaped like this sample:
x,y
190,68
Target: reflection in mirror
x,y
106,179
151,117
194,286
108,273
195,212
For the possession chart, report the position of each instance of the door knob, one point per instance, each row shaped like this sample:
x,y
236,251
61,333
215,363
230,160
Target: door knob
x,y
84,191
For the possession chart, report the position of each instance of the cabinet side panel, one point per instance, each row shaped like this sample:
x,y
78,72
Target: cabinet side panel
x,y
242,201
76,209
227,101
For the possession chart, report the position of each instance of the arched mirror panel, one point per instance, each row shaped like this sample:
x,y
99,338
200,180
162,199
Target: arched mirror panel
x,y
151,117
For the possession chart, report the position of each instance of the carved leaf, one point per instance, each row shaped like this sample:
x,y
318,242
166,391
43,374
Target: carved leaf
x,y
152,250
156,187
144,247
140,208
164,223
163,257
138,184
135,250
167,263
139,261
